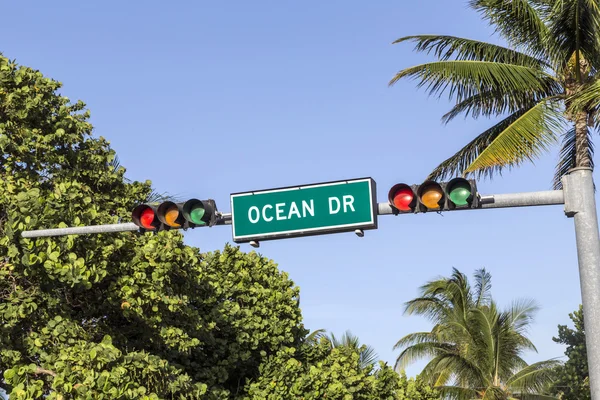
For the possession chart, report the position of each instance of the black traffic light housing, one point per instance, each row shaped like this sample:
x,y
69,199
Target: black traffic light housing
x,y
170,215
456,194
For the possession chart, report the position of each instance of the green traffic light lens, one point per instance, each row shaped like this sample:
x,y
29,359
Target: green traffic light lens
x,y
460,193
196,214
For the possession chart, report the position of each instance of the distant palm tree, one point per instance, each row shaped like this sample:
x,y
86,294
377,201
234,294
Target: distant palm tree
x,y
474,349
545,84
367,355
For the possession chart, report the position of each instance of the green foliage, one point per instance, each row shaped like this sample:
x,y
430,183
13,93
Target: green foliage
x,y
474,349
130,316
545,80
572,381
115,316
321,372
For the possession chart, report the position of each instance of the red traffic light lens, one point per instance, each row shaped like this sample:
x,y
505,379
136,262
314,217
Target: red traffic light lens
x,y
403,198
144,217
147,218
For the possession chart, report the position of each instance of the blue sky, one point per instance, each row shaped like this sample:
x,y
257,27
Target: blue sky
x,y
210,98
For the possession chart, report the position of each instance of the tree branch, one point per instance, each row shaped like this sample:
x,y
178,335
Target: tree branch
x,y
40,371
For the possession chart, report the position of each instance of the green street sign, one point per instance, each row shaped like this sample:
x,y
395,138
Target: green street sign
x,y
294,211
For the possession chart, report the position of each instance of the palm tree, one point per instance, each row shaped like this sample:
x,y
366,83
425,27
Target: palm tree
x,y
367,354
474,349
545,84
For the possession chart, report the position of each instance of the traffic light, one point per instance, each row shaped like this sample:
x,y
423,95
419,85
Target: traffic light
x,y
169,215
459,193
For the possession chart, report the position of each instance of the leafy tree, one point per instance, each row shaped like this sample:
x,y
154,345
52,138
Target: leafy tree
x,y
475,349
319,371
129,316
572,381
544,84
115,316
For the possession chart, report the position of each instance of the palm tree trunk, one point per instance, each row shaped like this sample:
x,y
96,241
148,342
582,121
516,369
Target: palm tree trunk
x,y
582,153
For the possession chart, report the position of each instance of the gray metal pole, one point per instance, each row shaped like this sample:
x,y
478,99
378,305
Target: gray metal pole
x,y
81,230
223,219
580,203
527,199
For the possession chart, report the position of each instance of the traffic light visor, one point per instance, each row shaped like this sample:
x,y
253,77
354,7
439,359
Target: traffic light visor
x,y
402,197
144,217
195,211
431,194
168,213
460,191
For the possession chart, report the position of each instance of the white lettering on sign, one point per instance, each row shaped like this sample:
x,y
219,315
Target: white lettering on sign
x,y
294,211
308,209
253,220
264,213
348,201
279,210
337,201
305,208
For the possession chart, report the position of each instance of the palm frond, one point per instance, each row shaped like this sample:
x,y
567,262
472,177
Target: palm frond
x,y
464,79
446,47
493,393
534,396
457,365
517,21
456,393
586,99
533,378
483,287
568,156
429,307
419,351
158,197
484,322
498,102
114,163
524,139
543,7
459,162
415,338
522,312
367,354
154,196
575,26
316,335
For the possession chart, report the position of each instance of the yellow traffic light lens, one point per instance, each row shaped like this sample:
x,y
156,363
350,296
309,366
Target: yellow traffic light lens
x,y
171,215
431,196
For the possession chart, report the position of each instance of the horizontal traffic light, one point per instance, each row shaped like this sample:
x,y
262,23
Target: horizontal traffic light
x,y
434,196
170,215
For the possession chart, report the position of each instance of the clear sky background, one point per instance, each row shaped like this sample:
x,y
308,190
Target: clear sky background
x,y
210,98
